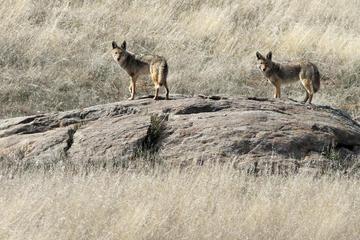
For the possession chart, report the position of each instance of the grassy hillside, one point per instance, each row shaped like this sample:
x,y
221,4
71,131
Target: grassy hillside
x,y
55,55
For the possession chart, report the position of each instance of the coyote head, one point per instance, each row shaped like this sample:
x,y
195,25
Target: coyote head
x,y
119,53
266,65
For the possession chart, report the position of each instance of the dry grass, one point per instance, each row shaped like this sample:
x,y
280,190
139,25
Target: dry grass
x,y
197,203
54,55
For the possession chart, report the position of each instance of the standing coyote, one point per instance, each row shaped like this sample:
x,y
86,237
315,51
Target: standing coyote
x,y
277,73
138,65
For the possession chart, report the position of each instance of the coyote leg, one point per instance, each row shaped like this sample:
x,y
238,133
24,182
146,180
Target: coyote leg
x,y
310,97
306,97
156,92
277,91
167,91
132,87
309,90
155,78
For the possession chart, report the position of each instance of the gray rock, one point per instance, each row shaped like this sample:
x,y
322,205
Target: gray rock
x,y
255,134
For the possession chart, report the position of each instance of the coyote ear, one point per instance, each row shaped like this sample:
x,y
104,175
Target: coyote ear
x,y
114,45
259,56
123,45
269,55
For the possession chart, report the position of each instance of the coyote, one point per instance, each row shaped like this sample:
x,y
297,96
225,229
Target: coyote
x,y
277,73
138,65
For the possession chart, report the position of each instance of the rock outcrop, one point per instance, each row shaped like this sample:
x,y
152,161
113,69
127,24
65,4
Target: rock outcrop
x,y
259,135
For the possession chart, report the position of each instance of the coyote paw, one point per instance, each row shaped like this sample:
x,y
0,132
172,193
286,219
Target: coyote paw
x,y
131,98
310,107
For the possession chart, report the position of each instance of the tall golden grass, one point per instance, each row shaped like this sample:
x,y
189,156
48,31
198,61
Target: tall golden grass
x,y
194,203
54,55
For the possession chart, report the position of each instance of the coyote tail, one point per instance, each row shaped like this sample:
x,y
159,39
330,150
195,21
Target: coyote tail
x,y
316,80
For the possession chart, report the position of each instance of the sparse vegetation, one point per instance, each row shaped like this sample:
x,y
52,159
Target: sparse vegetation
x,y
56,55
146,151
